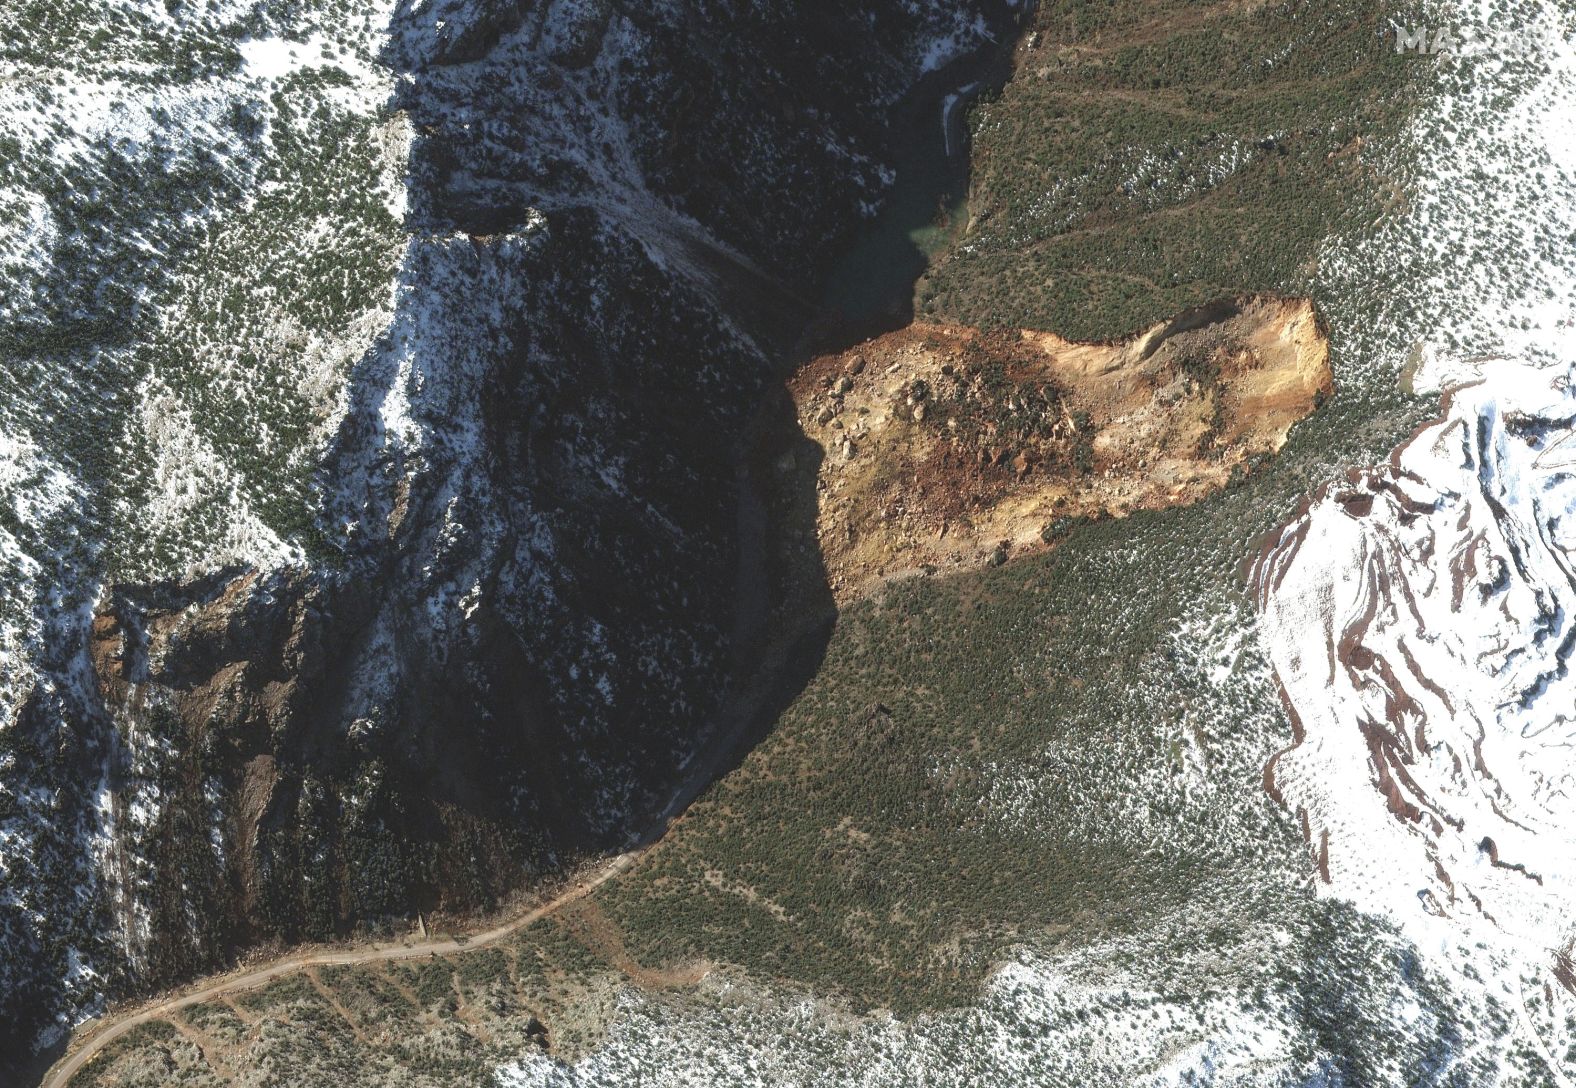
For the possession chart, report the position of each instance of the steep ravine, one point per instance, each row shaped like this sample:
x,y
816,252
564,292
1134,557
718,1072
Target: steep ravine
x,y
526,605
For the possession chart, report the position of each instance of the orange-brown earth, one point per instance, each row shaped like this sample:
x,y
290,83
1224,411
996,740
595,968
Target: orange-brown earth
x,y
940,447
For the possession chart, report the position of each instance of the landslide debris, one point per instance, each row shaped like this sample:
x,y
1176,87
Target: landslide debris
x,y
945,447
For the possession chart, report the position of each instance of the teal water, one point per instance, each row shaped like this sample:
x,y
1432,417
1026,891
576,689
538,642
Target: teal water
x,y
927,208
872,287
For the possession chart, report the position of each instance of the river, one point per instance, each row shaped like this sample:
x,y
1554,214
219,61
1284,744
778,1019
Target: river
x,y
871,288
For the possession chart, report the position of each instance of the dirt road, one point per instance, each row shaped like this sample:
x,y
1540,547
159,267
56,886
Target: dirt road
x,y
99,1038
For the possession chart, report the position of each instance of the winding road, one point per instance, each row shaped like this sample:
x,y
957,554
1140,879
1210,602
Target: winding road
x,y
60,1075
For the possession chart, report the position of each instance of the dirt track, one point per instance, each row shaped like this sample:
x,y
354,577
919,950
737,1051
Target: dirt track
x,y
102,1036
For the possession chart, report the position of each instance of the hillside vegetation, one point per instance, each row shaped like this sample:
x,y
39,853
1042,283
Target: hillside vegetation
x,y
1148,157
1057,760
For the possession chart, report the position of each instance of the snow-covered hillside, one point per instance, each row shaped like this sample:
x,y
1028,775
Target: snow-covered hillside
x,y
373,380
1419,617
1418,613
196,244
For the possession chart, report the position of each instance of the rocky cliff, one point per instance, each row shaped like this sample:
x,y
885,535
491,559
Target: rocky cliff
x,y
504,629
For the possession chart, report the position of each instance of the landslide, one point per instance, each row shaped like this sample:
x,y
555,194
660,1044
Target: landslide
x,y
942,447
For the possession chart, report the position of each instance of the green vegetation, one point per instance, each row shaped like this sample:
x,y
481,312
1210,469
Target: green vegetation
x,y
994,758
432,981
284,992
273,311
191,40
1046,753
216,1020
370,996
213,254
97,39
1149,157
1035,753
139,1041
439,1022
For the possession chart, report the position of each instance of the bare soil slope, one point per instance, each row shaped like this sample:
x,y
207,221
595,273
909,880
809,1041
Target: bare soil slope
x,y
943,446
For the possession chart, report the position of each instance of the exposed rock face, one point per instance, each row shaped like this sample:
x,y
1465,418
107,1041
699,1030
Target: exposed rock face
x,y
1419,618
945,447
520,620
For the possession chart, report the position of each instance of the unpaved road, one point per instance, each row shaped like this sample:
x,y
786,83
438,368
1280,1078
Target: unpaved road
x,y
61,1074
94,1039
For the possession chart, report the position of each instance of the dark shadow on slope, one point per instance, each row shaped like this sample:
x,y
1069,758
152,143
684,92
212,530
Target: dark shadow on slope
x,y
784,612
461,745
784,608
